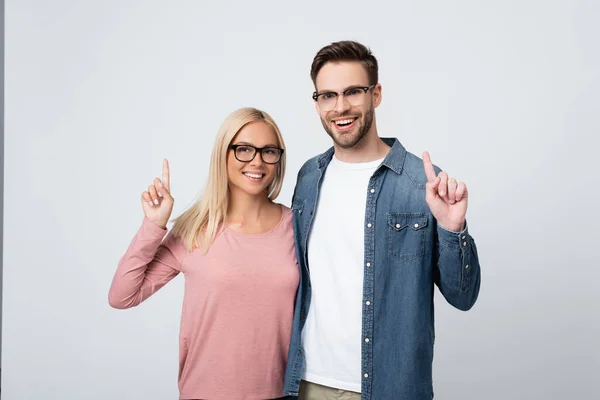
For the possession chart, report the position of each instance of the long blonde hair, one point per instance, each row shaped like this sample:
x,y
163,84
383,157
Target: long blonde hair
x,y
198,225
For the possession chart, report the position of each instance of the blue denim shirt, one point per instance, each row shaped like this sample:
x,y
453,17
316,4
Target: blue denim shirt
x,y
405,253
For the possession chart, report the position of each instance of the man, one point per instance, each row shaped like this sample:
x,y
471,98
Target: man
x,y
376,227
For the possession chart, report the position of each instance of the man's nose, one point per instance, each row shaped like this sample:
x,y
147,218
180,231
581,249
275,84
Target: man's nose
x,y
341,104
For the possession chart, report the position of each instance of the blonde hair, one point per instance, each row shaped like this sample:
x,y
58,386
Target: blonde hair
x,y
198,226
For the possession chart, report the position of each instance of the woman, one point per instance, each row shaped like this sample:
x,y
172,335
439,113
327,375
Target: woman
x,y
235,247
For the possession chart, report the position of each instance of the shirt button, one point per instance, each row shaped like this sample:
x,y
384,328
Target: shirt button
x,y
366,375
372,190
464,236
416,225
368,264
467,266
369,225
368,303
465,244
366,340
397,226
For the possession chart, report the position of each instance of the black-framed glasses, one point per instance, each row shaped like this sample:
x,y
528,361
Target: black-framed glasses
x,y
247,152
354,95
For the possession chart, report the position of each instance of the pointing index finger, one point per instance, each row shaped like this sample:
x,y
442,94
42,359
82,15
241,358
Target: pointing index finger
x,y
429,171
166,180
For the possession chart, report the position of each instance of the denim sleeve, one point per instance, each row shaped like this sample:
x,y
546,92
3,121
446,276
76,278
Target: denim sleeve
x,y
457,272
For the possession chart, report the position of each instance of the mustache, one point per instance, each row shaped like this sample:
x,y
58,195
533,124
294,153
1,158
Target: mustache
x,y
344,114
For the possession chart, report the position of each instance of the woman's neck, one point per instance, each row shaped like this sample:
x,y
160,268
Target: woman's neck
x,y
245,209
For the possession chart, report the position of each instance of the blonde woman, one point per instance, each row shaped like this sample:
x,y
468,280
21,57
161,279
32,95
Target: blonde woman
x,y
235,247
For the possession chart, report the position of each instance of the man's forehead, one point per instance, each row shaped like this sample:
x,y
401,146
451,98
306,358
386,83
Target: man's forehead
x,y
341,75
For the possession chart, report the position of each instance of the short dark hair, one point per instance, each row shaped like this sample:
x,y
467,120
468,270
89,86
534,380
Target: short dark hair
x,y
346,50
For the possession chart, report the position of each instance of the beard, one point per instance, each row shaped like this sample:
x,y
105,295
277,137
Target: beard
x,y
349,140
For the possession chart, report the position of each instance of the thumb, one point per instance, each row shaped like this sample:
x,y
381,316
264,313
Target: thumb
x,y
431,187
166,192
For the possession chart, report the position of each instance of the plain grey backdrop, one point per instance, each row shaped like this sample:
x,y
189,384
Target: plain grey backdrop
x,y
1,164
505,95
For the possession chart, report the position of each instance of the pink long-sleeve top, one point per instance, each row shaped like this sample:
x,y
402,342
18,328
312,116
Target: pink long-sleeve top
x,y
237,308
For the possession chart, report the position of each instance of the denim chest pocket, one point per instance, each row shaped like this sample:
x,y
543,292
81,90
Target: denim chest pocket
x,y
406,236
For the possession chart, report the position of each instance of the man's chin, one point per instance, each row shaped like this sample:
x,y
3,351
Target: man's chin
x,y
346,140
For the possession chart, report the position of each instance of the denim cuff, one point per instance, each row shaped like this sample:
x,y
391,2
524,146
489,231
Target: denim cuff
x,y
454,239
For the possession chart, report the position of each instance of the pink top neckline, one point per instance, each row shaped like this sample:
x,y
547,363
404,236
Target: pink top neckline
x,y
271,231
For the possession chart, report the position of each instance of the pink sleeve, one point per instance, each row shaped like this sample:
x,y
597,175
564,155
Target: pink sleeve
x,y
148,264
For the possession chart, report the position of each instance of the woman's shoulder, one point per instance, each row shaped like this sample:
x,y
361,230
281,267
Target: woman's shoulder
x,y
176,246
286,213
287,217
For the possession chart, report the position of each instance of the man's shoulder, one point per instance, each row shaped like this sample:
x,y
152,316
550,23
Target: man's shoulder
x,y
415,171
311,164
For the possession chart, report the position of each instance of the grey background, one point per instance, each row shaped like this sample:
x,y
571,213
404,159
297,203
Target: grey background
x,y
1,164
504,95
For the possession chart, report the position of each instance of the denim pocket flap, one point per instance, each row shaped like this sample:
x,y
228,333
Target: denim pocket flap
x,y
399,221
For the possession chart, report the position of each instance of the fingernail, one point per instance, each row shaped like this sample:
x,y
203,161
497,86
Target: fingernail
x,y
151,204
160,194
156,201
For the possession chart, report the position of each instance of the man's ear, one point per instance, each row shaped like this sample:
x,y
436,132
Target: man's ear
x,y
377,95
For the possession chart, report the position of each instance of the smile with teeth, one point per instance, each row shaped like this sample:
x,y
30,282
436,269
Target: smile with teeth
x,y
253,176
345,122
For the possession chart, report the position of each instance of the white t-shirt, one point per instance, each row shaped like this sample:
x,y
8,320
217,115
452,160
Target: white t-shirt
x,y
332,333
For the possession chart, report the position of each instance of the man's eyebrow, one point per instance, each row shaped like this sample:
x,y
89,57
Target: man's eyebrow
x,y
343,90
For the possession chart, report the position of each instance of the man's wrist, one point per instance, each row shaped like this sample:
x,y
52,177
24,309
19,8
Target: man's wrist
x,y
454,228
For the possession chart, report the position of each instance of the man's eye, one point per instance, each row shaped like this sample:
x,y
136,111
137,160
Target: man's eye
x,y
328,96
353,92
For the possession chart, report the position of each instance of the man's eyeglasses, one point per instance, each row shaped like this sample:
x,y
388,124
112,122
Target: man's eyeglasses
x,y
354,95
246,153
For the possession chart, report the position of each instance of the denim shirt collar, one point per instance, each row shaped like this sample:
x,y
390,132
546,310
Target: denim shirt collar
x,y
394,159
